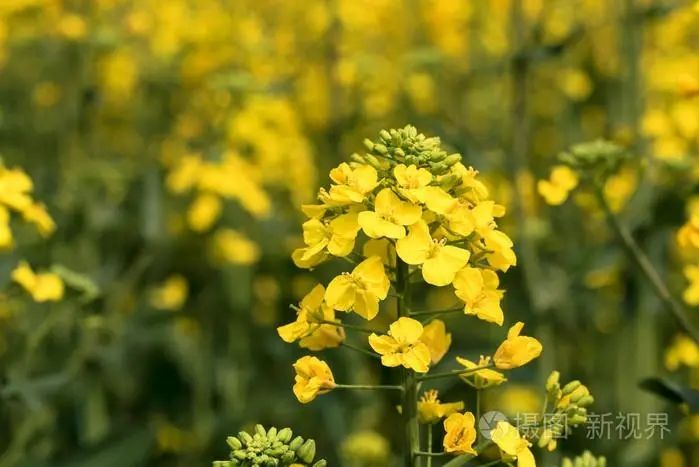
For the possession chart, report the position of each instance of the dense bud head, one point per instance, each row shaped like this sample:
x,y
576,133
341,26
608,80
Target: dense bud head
x,y
271,447
596,159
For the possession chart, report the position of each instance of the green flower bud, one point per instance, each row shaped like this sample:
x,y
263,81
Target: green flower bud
x,y
452,159
321,463
245,438
260,430
570,387
285,435
234,442
586,401
369,144
380,148
385,135
307,452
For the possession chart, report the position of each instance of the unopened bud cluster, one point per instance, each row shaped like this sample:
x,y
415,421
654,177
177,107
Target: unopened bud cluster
x,y
586,460
407,146
568,408
270,448
595,159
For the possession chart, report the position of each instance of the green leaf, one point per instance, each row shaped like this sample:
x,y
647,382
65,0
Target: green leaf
x,y
671,391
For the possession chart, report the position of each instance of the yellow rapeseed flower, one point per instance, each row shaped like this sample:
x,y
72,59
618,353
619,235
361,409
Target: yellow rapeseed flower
x,y
36,213
204,212
411,179
478,288
352,185
682,351
512,445
402,346
460,433
691,293
516,350
15,186
440,262
561,181
313,335
313,377
437,339
43,287
171,294
231,246
483,378
361,290
389,217
337,237
431,410
6,238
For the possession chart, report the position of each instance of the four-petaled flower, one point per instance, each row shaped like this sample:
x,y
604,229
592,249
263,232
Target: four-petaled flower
x,y
512,445
460,433
402,346
313,377
361,290
516,350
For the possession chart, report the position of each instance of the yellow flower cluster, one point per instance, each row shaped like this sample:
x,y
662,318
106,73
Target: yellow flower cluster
x,y
16,197
407,211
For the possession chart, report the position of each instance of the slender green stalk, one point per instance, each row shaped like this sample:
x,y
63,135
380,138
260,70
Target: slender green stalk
x,y
366,352
430,429
370,387
446,374
649,271
456,309
409,405
429,455
346,326
478,413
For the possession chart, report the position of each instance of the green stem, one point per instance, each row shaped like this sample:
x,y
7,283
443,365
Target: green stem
x,y
478,413
346,326
430,429
370,387
459,308
361,350
649,271
446,374
429,455
409,403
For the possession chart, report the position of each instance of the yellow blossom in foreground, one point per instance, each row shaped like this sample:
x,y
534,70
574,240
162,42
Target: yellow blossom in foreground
x,y
231,246
361,290
402,346
336,238
411,179
43,287
313,335
389,217
313,377
171,294
440,262
682,351
555,190
478,288
204,212
382,248
512,445
437,339
352,185
501,255
483,378
460,433
516,350
431,410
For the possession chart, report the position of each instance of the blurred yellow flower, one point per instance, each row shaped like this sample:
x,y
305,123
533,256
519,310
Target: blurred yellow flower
x,y
460,433
688,235
15,186
72,26
171,294
361,290
402,346
478,288
313,377
555,190
431,410
691,293
6,239
204,212
37,214
437,339
512,445
440,262
516,350
682,351
389,217
231,246
43,287
313,335
365,448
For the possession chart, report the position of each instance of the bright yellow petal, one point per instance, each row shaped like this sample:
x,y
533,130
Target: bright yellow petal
x,y
416,246
340,293
383,345
375,226
406,330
